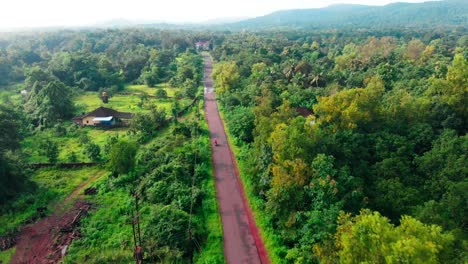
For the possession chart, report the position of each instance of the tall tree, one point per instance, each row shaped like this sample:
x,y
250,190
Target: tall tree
x,y
50,104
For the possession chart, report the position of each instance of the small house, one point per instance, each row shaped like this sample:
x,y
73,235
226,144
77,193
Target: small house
x,y
202,45
103,116
303,111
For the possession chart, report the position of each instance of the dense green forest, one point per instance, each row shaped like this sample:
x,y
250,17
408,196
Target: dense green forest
x,y
375,168
352,143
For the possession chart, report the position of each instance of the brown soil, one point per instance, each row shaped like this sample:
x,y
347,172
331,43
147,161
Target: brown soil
x,y
47,240
44,241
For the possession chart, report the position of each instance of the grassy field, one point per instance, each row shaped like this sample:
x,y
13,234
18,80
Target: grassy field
x,y
68,143
151,90
89,101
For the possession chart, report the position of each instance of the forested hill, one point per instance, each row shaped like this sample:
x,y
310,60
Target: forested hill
x,y
440,13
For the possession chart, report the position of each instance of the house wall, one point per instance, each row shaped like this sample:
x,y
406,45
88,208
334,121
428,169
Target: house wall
x,y
88,121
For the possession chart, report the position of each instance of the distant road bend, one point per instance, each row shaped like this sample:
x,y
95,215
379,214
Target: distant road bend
x,y
242,241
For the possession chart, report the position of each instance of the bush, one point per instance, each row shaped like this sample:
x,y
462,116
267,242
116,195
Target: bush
x,y
49,149
122,157
161,93
241,123
93,151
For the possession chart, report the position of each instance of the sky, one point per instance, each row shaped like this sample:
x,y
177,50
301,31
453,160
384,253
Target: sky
x,y
44,13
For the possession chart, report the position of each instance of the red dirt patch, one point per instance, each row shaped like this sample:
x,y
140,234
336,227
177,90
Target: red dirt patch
x,y
43,241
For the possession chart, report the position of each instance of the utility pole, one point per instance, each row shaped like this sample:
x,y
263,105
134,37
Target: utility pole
x,y
137,249
134,237
138,218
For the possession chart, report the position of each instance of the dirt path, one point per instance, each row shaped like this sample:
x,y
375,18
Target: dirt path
x,y
242,241
46,240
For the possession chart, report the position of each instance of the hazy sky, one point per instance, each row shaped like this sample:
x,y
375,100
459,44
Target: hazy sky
x,y
38,13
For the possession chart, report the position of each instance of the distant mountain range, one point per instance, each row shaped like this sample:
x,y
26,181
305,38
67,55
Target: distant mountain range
x,y
448,12
428,14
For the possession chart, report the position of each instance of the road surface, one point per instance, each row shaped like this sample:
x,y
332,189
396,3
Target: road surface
x,y
242,241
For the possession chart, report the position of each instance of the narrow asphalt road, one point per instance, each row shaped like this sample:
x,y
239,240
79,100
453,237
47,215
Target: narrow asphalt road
x,y
242,241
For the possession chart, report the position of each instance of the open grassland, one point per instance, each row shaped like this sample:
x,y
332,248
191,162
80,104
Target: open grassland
x,y
50,186
133,103
137,88
72,141
89,101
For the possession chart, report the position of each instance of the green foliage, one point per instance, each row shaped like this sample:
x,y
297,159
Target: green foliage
x,y
387,131
241,123
93,151
167,234
144,126
110,141
5,256
189,68
122,157
150,76
74,140
226,77
9,128
72,157
49,104
351,108
453,90
12,175
50,149
369,237
75,66
106,233
161,93
190,88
